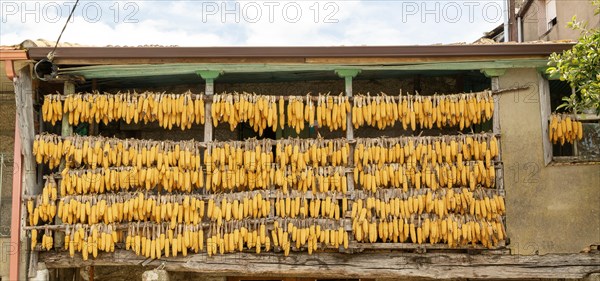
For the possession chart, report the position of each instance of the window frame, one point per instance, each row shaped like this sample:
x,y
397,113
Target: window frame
x,y
551,14
546,111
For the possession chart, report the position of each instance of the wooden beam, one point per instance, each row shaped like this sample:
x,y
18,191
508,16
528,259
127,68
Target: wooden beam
x,y
24,107
66,130
209,77
493,72
365,265
348,75
144,70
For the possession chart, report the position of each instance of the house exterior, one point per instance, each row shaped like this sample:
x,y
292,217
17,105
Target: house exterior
x,y
547,19
552,218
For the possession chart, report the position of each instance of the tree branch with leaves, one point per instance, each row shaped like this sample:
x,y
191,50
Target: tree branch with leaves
x,y
580,66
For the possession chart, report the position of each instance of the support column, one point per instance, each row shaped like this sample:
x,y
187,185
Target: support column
x,y
66,130
93,129
25,172
494,74
348,74
546,111
209,76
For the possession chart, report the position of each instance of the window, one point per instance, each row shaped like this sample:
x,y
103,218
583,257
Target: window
x,y
550,13
585,150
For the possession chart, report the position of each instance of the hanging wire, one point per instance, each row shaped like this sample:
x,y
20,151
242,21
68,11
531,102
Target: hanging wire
x,y
51,54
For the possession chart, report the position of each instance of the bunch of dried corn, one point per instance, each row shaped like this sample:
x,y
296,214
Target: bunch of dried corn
x,y
259,111
181,110
461,110
563,128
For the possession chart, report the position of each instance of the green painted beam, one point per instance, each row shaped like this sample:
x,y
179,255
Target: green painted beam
x,y
345,73
208,74
493,72
544,71
145,70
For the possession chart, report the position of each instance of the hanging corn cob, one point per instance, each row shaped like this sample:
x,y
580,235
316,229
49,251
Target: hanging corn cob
x,y
412,111
437,216
43,208
181,110
259,111
563,128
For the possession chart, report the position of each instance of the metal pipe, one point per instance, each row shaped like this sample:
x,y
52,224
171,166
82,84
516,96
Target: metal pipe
x,y
506,17
519,29
1,176
15,222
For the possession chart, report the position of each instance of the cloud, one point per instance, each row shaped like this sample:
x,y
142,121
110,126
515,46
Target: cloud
x,y
247,22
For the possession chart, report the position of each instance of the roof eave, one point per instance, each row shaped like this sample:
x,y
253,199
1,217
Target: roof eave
x,y
166,53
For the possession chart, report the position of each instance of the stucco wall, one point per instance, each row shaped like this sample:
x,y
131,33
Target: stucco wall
x,y
535,23
553,209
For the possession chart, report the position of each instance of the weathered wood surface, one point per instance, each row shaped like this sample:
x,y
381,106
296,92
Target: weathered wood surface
x,y
366,265
545,110
27,171
24,108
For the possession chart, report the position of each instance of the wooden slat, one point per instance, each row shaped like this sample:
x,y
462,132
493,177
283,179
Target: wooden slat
x,y
367,265
545,110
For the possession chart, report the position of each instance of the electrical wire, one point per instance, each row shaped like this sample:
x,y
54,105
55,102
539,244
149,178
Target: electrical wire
x,y
51,54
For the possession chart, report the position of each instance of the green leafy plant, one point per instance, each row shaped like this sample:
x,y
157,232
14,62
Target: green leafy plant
x,y
580,66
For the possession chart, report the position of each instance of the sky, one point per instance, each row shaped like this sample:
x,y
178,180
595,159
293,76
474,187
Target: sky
x,y
251,23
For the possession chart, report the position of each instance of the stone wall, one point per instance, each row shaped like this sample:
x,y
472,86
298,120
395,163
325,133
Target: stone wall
x,y
7,137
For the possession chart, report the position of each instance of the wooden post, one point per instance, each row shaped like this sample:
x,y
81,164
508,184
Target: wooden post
x,y
209,77
494,75
28,186
66,130
348,75
545,110
93,129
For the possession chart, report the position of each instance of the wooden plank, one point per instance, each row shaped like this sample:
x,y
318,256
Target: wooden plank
x,y
587,117
546,110
354,60
366,265
24,108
